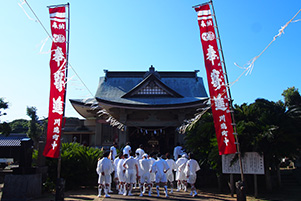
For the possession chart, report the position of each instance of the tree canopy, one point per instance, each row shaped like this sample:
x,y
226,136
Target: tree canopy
x,y
19,126
270,128
292,97
35,129
4,127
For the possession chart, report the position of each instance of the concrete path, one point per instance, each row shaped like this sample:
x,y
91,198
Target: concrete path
x,y
91,194
176,196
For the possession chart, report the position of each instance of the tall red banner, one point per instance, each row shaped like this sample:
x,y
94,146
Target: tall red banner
x,y
216,81
57,81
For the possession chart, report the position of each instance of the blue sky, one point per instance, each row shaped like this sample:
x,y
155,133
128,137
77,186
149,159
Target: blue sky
x,y
131,35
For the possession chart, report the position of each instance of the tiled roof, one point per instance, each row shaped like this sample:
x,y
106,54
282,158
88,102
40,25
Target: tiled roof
x,y
13,140
188,86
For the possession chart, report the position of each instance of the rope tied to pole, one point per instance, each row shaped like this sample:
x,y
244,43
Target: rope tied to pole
x,y
250,65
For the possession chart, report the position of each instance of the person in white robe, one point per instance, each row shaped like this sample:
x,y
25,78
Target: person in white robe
x,y
152,158
180,176
113,151
145,166
140,152
192,166
170,174
115,163
104,170
177,151
121,174
131,167
160,167
127,149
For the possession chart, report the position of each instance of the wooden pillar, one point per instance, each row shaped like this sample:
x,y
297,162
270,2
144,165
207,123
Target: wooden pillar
x,y
231,185
255,186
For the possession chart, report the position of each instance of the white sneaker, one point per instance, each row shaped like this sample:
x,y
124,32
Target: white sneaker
x,y
107,196
195,194
124,193
99,196
166,195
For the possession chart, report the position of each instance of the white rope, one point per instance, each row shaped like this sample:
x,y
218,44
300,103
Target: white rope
x,y
250,65
42,44
49,35
247,70
21,5
69,79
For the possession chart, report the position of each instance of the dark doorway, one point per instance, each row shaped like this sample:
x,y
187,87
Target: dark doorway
x,y
153,140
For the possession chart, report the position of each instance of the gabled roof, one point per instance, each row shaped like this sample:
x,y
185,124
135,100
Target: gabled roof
x,y
177,88
151,86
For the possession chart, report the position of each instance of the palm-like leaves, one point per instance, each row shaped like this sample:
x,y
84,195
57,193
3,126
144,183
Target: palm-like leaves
x,y
78,164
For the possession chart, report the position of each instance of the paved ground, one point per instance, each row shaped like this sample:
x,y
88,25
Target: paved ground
x,y
91,194
86,194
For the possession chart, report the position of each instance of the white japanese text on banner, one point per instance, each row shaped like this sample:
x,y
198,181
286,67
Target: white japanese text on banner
x,y
57,81
216,81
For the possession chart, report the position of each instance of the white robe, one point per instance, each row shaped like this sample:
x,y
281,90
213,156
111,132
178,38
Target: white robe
x,y
180,163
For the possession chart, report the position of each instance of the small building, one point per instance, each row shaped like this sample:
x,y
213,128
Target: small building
x,y
140,107
10,146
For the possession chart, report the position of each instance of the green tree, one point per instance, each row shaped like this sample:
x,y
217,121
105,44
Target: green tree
x,y
78,165
4,127
291,97
201,140
34,128
19,126
3,105
268,128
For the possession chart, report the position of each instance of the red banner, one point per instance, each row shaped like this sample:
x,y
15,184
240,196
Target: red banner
x,y
57,81
216,81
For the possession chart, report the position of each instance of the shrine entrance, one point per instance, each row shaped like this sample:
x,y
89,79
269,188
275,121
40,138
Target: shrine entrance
x,y
158,141
147,106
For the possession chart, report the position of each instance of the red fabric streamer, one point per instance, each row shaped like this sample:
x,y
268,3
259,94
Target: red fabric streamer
x,y
57,81
216,81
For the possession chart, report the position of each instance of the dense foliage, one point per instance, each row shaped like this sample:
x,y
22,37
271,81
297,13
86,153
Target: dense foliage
x,y
270,128
19,126
201,140
4,127
78,165
35,127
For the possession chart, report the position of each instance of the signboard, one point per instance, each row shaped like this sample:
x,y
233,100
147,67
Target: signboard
x,y
252,163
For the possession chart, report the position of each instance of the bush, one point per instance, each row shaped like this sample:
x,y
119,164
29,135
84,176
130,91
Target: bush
x,y
78,165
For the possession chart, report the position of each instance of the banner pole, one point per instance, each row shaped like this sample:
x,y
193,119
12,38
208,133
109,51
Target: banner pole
x,y
200,4
59,5
60,182
230,97
66,76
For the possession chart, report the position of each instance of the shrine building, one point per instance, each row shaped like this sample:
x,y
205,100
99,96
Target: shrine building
x,y
139,107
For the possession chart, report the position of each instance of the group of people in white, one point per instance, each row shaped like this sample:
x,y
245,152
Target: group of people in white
x,y
147,171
